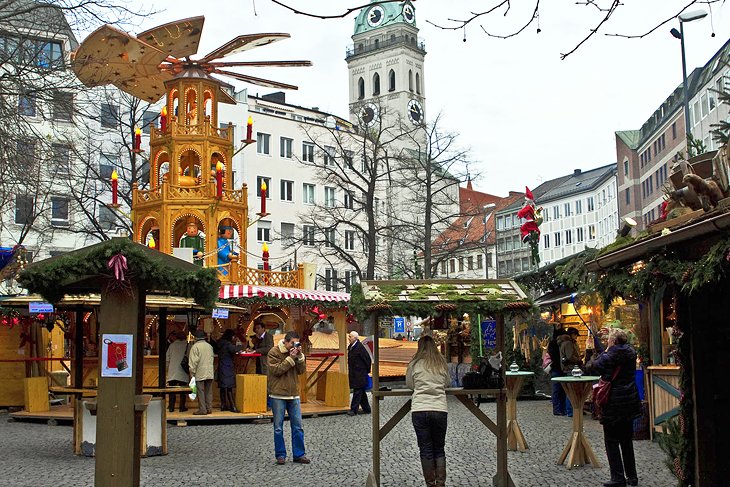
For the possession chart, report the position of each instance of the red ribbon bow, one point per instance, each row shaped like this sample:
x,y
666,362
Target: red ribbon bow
x,y
118,265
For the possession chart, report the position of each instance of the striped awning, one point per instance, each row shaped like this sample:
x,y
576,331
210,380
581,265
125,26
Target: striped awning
x,y
245,291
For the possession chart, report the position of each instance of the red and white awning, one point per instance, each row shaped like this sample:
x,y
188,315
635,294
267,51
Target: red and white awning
x,y
245,291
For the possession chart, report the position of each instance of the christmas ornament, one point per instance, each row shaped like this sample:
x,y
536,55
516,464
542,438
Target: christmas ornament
x,y
530,230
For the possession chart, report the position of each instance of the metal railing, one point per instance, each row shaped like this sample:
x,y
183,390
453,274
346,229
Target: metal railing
x,y
357,49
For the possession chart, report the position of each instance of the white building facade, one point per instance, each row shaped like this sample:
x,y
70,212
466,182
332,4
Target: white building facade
x,y
581,212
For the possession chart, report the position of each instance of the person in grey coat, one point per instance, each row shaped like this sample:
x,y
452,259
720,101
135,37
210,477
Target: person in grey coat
x,y
201,359
176,376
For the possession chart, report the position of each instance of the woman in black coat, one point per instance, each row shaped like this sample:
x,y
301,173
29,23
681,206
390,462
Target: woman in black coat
x,y
227,370
617,416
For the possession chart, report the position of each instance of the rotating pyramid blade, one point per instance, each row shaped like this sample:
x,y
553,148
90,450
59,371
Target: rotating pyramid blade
x,y
179,39
243,43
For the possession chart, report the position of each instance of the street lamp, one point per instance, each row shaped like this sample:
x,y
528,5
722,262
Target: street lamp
x,y
686,17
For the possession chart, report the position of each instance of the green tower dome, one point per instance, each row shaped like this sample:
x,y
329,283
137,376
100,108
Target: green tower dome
x,y
385,14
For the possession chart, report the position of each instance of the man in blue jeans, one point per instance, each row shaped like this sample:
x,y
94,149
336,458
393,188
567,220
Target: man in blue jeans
x,y
286,362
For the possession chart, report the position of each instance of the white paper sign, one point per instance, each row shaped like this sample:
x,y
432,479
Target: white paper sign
x,y
220,313
116,355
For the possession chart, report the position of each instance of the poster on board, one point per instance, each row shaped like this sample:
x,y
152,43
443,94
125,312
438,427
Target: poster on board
x,y
116,355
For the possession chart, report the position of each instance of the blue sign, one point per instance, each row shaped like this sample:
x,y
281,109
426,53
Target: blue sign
x,y
399,325
489,333
40,307
220,313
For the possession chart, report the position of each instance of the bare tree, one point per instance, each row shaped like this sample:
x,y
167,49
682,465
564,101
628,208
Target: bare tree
x,y
514,23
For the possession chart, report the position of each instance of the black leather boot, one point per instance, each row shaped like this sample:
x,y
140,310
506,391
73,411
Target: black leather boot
x,y
224,400
440,472
231,401
429,472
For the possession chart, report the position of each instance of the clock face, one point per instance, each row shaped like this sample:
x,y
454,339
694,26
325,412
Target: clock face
x,y
376,16
409,13
415,112
369,114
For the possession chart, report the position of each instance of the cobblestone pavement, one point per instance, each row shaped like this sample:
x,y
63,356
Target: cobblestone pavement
x,y
35,454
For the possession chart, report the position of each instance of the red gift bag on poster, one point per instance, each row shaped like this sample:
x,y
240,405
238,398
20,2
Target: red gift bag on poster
x,y
116,355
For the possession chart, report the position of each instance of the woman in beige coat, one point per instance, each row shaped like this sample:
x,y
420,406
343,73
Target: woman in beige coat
x,y
428,376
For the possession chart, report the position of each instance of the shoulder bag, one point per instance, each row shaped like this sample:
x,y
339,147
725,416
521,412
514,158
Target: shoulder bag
x,y
602,391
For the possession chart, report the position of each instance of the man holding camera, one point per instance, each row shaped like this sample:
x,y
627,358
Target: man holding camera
x,y
285,363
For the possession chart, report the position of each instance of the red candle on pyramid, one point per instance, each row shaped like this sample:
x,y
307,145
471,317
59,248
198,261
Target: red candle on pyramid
x,y
137,139
263,197
265,256
163,119
249,129
115,188
219,180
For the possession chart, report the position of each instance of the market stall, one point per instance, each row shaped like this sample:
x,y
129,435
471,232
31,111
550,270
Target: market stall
x,y
443,299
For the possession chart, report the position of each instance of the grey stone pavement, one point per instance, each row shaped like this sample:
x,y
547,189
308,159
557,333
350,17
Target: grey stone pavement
x,y
39,455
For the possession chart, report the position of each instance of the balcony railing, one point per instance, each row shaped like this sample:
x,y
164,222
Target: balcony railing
x,y
205,129
258,277
357,49
168,192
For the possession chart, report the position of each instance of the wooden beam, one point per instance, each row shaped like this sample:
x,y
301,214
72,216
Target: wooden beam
x,y
395,419
376,401
79,348
162,347
469,404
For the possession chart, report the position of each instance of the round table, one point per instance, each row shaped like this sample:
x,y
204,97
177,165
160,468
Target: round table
x,y
577,451
515,438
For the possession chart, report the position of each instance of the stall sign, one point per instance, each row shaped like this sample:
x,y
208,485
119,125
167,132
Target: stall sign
x,y
489,333
220,313
399,324
40,307
116,355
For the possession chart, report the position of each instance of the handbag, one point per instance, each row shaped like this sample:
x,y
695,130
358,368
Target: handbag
x,y
184,363
602,391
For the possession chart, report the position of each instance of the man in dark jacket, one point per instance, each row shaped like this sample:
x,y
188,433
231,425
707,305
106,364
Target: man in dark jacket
x,y
358,365
617,416
556,370
263,342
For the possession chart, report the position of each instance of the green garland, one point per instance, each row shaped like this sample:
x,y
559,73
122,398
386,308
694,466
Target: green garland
x,y
274,302
50,278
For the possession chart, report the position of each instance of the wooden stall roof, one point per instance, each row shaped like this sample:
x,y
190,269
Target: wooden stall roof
x,y
153,302
503,293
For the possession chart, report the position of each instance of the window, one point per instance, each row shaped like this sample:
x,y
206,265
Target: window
x,y
591,232
568,237
107,217
470,263
674,130
500,223
330,280
308,235
262,143
556,236
50,55
285,145
443,267
107,163
696,112
546,241
24,209
349,240
350,279
578,207
461,264
452,265
525,264
628,196
263,231
410,80
626,168
59,210
418,83
308,193
63,106
329,237
579,234
508,244
329,197
262,179
376,84
391,80
349,200
500,245
360,89
307,151
703,105
567,209
480,261
61,160
590,205
556,212
329,156
27,105
148,119
287,232
287,190
349,157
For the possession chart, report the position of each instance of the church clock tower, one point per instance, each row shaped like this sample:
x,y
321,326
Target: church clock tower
x,y
385,66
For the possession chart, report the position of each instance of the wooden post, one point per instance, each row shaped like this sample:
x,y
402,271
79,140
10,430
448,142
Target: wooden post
x,y
502,478
79,348
162,347
118,423
376,400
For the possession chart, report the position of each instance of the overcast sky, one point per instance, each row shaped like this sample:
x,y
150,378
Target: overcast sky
x,y
526,115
